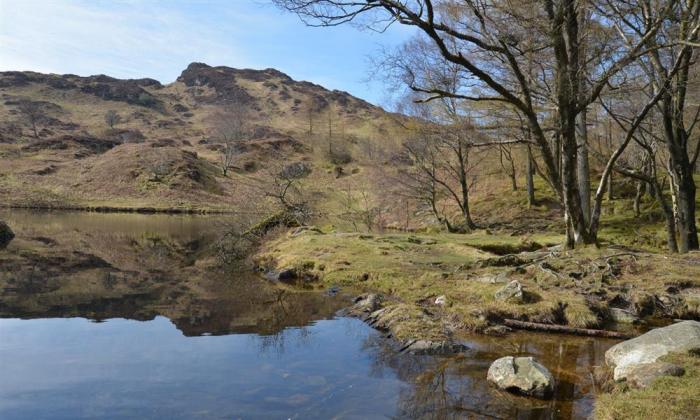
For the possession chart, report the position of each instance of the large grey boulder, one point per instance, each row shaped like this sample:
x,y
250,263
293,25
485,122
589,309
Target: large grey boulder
x,y
643,375
648,348
521,375
6,234
511,292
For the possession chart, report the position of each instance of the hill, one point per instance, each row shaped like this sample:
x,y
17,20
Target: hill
x,y
164,150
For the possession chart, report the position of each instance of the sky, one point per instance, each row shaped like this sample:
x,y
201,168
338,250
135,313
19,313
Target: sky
x,y
159,38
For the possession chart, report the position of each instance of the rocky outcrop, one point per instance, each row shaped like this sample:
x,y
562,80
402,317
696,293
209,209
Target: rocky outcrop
x,y
366,304
6,234
396,319
648,348
511,292
521,375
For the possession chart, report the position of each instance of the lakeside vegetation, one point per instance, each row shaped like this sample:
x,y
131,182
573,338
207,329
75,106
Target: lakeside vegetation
x,y
539,170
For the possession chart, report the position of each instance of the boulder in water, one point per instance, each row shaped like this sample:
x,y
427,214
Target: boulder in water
x,y
521,375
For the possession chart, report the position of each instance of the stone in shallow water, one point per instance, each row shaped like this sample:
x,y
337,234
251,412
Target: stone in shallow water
x,y
521,375
647,348
642,375
429,347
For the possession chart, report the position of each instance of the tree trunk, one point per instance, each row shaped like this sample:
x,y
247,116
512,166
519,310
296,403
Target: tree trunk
x,y
657,191
583,173
685,207
463,156
529,179
641,190
572,198
610,187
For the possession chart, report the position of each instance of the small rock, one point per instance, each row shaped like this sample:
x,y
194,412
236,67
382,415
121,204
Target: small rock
x,y
493,278
497,330
672,290
304,229
622,316
648,348
512,292
441,300
428,347
367,303
6,234
643,375
521,375
287,275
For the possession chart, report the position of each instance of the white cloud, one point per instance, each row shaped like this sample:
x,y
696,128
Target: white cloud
x,y
158,38
124,39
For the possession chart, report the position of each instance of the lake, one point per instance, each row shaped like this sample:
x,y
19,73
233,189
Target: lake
x,y
134,316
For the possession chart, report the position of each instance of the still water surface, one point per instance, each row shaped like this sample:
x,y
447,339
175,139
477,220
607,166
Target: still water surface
x,y
131,316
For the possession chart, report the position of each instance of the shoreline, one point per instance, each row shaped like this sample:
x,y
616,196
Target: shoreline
x,y
116,209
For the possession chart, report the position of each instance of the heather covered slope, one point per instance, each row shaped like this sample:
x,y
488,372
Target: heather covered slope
x,y
164,151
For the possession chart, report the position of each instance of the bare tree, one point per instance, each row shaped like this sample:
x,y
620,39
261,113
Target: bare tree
x,y
231,128
33,113
359,207
158,167
664,76
112,118
484,39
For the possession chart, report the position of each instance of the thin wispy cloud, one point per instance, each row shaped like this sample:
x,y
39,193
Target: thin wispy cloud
x,y
159,38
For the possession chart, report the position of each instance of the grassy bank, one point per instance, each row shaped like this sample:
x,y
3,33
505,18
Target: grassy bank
x,y
570,288
678,398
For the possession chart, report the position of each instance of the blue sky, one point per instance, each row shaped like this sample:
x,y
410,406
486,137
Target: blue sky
x,y
158,38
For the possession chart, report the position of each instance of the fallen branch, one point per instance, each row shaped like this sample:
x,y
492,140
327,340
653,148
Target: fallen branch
x,y
536,326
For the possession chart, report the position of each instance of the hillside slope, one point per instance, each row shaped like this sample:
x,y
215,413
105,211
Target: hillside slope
x,y
164,151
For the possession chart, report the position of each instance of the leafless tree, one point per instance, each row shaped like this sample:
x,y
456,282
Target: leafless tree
x,y
112,118
665,76
158,167
231,128
33,113
494,43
